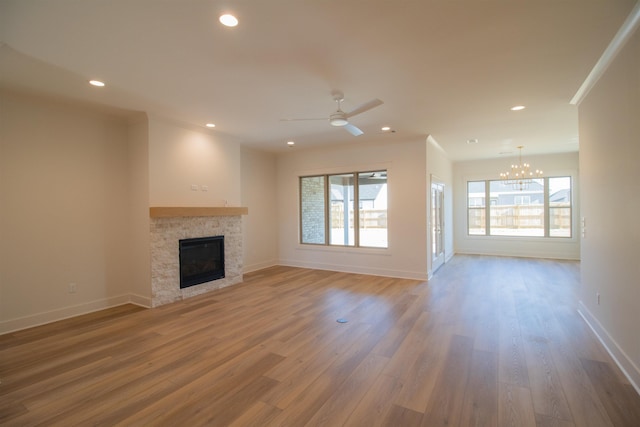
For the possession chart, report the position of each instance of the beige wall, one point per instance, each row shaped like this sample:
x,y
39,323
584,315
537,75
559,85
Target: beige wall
x,y
181,156
553,165
76,184
609,155
260,230
138,156
407,187
64,215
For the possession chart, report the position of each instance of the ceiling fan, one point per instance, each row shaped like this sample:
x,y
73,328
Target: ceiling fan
x,y
341,119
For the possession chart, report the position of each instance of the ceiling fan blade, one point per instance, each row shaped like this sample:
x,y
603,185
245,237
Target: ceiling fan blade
x,y
301,120
352,129
365,107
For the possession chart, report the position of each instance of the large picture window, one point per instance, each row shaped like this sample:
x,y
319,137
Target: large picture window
x,y
516,212
348,209
543,209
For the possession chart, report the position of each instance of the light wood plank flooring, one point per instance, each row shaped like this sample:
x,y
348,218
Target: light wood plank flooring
x,y
487,342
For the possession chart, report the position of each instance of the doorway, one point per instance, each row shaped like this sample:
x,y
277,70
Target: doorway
x,y
437,224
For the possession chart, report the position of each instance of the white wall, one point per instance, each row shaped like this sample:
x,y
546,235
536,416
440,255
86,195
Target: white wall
x,y
181,157
553,165
609,153
64,211
407,189
260,230
440,167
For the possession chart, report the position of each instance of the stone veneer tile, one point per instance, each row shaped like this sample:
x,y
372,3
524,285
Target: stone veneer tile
x,y
165,274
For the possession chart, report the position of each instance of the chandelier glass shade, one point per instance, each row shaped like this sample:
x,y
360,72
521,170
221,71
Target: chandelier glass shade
x,y
521,174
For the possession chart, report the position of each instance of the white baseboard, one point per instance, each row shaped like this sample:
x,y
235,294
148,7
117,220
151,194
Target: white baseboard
x,y
415,275
448,256
38,319
258,266
627,366
145,302
540,255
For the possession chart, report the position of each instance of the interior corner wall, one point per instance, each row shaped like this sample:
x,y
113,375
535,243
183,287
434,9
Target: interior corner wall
x,y
140,237
440,167
609,118
192,167
405,161
563,164
260,233
63,211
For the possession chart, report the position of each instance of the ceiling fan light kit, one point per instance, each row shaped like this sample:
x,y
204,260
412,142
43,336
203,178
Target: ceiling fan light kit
x,y
338,119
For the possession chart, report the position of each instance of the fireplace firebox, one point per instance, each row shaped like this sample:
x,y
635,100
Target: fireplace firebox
x,y
201,260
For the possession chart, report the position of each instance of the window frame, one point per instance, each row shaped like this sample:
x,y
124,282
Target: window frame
x,y
324,209
327,209
546,210
549,207
478,207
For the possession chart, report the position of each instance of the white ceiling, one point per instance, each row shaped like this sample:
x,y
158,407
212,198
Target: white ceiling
x,y
450,69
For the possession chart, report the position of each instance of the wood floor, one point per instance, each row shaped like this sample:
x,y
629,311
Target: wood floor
x,y
487,342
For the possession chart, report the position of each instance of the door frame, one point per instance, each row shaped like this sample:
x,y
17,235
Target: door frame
x,y
436,231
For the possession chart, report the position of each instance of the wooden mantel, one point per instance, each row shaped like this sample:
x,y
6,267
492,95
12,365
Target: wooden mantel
x,y
179,211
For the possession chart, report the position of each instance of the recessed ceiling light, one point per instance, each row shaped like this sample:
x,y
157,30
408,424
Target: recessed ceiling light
x,y
210,125
385,128
228,20
518,108
96,83
291,143
472,141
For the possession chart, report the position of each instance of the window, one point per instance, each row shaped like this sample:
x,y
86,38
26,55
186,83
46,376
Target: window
x,y
312,210
541,210
560,206
329,214
341,213
510,217
476,213
372,217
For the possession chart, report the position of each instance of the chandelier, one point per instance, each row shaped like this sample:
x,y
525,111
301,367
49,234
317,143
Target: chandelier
x,y
520,176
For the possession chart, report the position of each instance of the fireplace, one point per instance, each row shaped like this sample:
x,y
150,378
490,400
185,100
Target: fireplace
x,y
201,260
169,225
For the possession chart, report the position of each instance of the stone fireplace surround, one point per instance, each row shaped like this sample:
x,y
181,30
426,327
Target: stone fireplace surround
x,y
169,225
